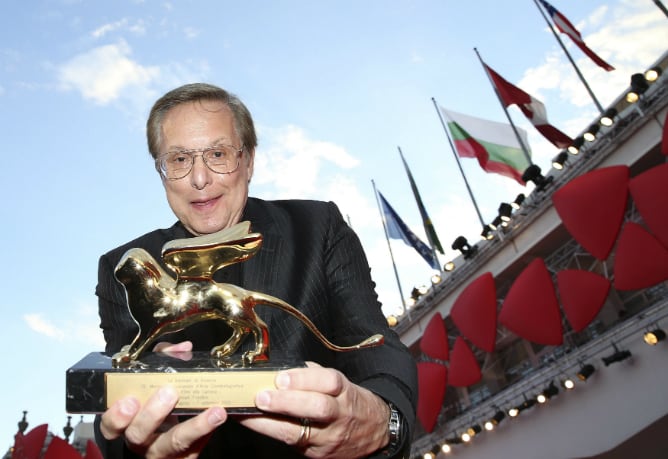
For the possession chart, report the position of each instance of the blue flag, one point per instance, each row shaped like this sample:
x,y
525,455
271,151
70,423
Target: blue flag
x,y
397,229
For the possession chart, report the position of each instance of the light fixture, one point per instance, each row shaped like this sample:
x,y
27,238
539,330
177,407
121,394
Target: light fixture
x,y
392,321
653,74
567,383
474,430
517,203
585,372
513,412
653,337
505,210
574,148
466,437
608,117
638,87
496,222
449,266
445,448
415,293
616,356
551,390
495,420
532,174
463,246
559,160
436,279
487,232
590,135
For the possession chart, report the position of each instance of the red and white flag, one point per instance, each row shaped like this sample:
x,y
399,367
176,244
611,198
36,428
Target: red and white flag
x,y
532,108
565,26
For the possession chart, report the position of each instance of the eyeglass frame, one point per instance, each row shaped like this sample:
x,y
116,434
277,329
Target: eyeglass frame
x,y
158,161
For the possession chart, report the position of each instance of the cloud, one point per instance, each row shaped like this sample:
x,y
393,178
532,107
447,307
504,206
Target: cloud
x,y
137,28
38,324
81,326
102,73
291,163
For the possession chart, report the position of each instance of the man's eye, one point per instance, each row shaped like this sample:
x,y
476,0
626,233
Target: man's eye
x,y
178,158
218,154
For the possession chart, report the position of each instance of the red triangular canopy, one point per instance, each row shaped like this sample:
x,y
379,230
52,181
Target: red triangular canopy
x,y
432,378
29,446
530,308
60,449
649,191
664,141
474,312
92,450
640,260
464,368
592,206
434,341
582,295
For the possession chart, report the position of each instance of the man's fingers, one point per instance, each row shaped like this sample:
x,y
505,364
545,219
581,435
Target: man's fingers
x,y
189,436
116,419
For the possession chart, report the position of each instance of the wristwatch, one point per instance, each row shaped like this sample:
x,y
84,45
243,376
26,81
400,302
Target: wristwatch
x,y
394,429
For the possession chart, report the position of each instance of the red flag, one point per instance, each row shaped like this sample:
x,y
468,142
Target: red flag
x,y
532,108
565,26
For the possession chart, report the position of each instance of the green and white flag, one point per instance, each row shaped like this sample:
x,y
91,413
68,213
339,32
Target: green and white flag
x,y
494,144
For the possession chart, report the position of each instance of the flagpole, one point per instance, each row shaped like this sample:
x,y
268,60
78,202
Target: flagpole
x,y
387,238
525,150
459,164
568,55
433,241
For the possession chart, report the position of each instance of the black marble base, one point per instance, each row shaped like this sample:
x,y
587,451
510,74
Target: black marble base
x,y
93,384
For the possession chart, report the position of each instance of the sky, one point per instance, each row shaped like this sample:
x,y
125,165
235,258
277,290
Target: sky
x,y
335,87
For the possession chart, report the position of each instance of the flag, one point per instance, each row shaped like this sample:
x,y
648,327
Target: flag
x,y
532,108
495,145
397,229
426,221
565,26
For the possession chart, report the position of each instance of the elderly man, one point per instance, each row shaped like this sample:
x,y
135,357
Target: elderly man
x,y
341,405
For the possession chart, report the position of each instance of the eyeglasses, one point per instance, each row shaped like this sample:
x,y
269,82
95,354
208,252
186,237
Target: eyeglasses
x,y
221,159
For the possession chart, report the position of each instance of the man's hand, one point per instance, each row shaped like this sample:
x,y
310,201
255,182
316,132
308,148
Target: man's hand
x,y
346,420
151,431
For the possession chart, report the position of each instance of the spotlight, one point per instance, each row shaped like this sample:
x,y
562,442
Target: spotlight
x,y
392,321
655,336
586,371
567,384
608,117
590,135
445,448
653,74
415,293
541,398
513,412
638,87
466,437
532,174
550,391
559,161
505,210
449,266
517,203
496,222
463,246
616,356
498,417
474,430
574,148
436,279
487,232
